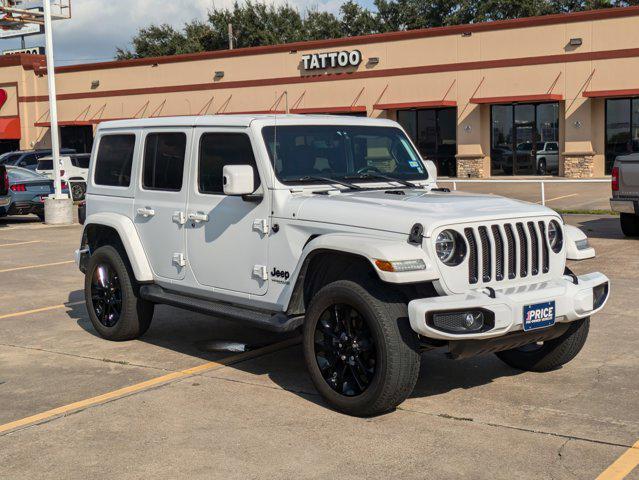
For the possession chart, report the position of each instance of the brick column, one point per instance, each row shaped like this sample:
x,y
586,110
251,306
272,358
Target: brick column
x,y
472,165
578,164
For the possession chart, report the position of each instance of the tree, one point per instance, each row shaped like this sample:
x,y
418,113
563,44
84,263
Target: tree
x,y
256,23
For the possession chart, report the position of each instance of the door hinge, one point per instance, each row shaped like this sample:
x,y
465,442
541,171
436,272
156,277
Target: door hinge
x,y
179,260
261,226
179,218
259,271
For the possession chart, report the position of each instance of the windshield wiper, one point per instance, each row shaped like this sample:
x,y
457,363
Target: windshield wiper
x,y
383,176
307,178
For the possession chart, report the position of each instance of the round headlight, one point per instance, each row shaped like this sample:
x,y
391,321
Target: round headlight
x,y
450,248
555,236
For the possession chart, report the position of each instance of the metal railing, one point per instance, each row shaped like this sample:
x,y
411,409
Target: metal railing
x,y
541,181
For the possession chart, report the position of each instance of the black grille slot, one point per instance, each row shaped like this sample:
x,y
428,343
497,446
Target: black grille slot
x,y
523,253
499,253
545,259
512,257
473,265
534,245
487,273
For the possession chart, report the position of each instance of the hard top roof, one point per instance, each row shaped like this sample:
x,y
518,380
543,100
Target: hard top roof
x,y
242,121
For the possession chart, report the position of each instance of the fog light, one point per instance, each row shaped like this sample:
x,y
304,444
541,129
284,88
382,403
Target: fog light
x,y
459,322
599,295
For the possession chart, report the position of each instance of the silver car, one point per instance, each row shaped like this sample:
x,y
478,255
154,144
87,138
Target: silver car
x,y
27,190
625,192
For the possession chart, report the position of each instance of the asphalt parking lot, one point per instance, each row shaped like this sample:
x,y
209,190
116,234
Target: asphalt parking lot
x,y
186,402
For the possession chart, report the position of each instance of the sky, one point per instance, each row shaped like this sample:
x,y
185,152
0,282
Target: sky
x,y
98,27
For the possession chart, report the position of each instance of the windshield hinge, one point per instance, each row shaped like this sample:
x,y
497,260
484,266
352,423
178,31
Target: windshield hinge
x,y
261,226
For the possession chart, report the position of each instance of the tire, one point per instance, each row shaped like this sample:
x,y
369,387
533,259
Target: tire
x,y
541,167
552,354
134,314
630,224
396,357
41,216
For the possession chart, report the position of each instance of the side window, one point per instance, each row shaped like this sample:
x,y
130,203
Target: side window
x,y
218,150
164,161
28,161
114,160
553,147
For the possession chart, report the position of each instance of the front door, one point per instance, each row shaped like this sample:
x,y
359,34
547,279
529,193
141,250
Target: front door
x,y
227,236
160,200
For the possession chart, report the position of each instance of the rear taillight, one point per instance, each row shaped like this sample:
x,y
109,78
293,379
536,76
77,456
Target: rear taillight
x,y
615,179
18,187
64,185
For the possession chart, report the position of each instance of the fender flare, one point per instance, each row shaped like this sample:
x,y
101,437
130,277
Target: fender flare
x,y
366,247
574,235
130,239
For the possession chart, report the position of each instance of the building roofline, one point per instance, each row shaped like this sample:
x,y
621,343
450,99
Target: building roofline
x,y
32,62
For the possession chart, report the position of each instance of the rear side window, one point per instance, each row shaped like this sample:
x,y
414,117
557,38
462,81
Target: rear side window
x,y
45,164
114,160
164,161
81,162
218,150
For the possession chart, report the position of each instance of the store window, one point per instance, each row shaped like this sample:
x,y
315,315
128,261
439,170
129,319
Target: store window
x,y
434,131
525,139
622,129
78,138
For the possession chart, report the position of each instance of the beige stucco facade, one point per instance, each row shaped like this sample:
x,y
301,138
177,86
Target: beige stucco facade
x,y
467,67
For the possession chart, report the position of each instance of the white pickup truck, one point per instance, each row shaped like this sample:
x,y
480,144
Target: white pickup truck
x,y
625,192
334,225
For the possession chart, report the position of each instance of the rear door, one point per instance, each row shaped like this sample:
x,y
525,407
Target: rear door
x,y
160,199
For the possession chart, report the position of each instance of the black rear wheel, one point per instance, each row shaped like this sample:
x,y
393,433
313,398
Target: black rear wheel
x,y
630,224
549,355
360,350
115,310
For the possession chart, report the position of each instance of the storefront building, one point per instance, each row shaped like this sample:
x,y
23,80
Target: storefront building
x,y
553,94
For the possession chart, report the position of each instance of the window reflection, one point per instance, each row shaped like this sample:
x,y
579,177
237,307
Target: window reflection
x,y
622,128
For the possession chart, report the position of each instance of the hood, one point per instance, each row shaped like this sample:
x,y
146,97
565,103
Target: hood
x,y
399,211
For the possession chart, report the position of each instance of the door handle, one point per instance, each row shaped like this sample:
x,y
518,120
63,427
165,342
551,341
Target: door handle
x,y
198,217
146,212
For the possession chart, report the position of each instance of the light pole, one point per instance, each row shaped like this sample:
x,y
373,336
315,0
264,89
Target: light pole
x,y
53,105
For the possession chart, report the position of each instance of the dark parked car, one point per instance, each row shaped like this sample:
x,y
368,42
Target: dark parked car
x,y
28,158
27,191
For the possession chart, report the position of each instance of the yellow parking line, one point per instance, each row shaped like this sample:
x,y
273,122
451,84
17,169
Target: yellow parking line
x,y
38,310
36,266
623,465
164,379
20,243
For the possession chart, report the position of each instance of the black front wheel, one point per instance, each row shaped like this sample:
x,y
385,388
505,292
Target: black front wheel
x,y
360,350
115,310
630,224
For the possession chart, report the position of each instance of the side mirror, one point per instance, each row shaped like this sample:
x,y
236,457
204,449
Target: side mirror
x,y
238,180
431,168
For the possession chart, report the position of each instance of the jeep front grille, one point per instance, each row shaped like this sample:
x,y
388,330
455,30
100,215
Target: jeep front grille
x,y
509,250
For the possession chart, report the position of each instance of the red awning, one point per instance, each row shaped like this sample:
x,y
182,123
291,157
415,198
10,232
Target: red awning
x,y
10,128
409,105
544,97
631,92
349,109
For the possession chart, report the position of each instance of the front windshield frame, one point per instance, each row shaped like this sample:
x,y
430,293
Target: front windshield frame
x,y
420,175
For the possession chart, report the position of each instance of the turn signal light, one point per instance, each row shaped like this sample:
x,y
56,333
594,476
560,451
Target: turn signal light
x,y
401,266
18,187
615,179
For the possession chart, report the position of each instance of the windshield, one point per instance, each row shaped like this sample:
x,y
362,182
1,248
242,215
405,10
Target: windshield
x,y
305,152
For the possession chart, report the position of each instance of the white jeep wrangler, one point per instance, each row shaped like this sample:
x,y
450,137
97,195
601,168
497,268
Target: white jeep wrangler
x,y
335,225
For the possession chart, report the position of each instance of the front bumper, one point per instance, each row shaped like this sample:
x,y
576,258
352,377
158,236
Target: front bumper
x,y
573,300
624,205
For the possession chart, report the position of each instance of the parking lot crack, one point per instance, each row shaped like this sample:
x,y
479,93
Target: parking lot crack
x,y
86,357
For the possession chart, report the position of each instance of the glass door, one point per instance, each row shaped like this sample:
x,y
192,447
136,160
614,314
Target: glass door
x,y
525,148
